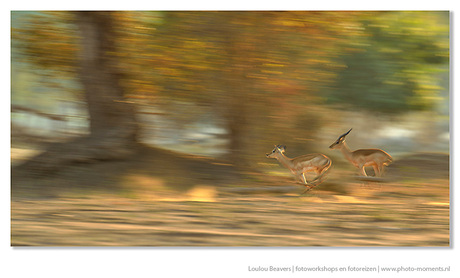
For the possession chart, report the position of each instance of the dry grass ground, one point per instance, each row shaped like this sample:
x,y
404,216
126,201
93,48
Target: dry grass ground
x,y
160,200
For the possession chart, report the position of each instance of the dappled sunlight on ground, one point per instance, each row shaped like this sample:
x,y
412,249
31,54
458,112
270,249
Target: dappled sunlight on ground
x,y
202,194
145,208
22,154
148,188
202,217
350,199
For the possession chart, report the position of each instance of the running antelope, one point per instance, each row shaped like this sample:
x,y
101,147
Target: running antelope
x,y
298,166
364,157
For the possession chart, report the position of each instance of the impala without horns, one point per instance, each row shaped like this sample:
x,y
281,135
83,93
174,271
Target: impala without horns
x,y
376,158
318,163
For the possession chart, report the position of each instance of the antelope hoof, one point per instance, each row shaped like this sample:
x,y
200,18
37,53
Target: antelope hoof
x,y
306,190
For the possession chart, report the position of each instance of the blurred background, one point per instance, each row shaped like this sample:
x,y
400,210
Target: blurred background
x,y
211,93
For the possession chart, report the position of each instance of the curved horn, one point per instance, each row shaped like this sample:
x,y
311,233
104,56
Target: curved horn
x,y
346,133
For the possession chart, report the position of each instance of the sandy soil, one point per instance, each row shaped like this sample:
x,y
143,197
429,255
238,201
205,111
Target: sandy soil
x,y
411,208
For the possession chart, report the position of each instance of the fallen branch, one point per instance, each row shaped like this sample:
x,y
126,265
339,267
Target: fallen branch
x,y
19,108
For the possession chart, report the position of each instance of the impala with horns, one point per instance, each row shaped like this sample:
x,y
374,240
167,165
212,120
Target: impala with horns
x,y
300,165
362,158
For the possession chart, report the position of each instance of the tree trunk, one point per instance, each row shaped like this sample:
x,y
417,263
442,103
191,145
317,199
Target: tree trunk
x,y
238,87
113,127
237,126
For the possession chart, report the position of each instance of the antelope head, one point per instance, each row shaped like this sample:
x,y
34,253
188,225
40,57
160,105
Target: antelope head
x,y
278,149
340,140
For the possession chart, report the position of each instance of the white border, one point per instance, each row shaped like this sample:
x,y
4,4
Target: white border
x,y
208,262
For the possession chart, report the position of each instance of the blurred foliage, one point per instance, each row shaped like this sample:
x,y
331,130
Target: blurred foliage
x,y
396,66
263,73
48,41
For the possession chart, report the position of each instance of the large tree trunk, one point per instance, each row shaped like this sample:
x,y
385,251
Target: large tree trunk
x,y
237,124
113,128
238,86
99,74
